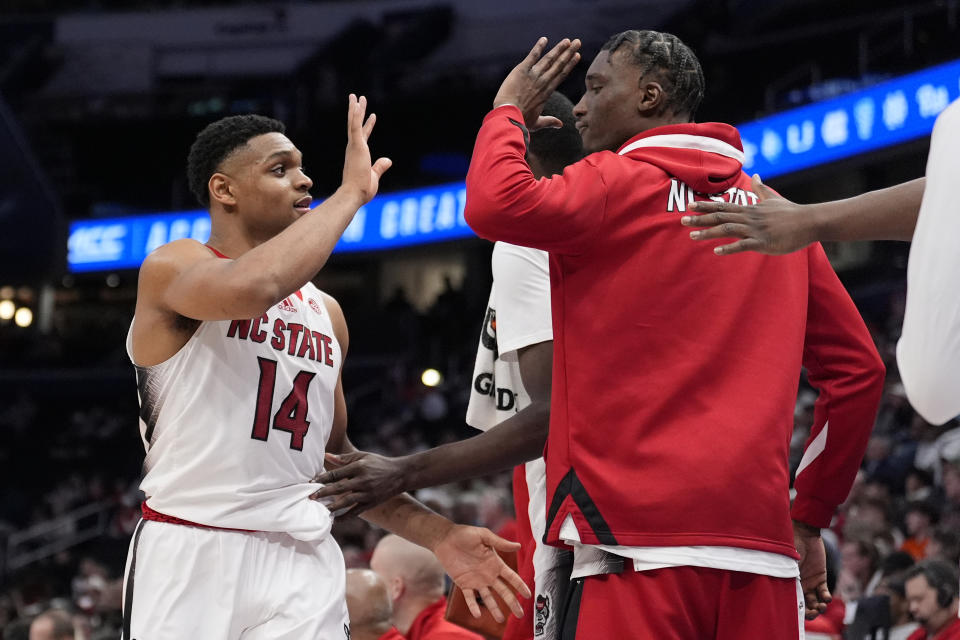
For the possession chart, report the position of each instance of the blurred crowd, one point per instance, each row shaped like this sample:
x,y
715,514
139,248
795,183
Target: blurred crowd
x,y
905,505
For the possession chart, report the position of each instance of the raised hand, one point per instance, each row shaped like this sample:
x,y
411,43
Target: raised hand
x,y
774,225
358,173
358,481
468,555
813,569
532,81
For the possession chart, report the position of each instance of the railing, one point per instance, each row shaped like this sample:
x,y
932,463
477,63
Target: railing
x,y
53,536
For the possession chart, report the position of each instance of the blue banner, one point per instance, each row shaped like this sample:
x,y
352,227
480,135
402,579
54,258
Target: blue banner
x,y
885,114
889,113
388,221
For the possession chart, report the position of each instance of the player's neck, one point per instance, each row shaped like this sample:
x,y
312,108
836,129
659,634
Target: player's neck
x,y
231,242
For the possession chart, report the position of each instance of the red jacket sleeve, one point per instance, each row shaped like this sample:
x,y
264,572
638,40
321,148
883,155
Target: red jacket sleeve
x,y
505,202
843,364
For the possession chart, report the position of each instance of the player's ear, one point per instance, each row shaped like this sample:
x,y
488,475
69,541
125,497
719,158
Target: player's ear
x,y
221,189
650,97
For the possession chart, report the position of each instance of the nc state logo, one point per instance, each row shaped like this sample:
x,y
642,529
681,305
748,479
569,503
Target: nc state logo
x,y
541,613
313,305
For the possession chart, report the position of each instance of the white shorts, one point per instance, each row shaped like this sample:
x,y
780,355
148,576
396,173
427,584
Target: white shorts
x,y
191,582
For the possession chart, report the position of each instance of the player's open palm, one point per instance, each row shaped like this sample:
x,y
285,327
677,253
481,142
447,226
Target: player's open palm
x,y
359,174
469,556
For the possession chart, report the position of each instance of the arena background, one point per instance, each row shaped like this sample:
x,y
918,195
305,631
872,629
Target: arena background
x,y
100,99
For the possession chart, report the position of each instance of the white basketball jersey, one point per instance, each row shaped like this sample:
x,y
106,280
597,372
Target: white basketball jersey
x,y
235,424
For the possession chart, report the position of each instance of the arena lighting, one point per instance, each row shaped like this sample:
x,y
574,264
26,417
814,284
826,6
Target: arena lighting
x,y
23,317
431,377
7,308
888,113
7,292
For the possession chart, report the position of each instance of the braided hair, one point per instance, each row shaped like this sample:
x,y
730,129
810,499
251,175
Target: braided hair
x,y
217,141
672,62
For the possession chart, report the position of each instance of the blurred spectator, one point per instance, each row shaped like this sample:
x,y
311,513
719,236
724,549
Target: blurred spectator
x,y
885,614
920,519
901,624
416,583
859,573
54,624
918,484
945,545
932,596
89,584
369,607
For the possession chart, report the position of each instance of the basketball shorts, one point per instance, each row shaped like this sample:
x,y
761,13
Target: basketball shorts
x,y
684,603
544,568
193,582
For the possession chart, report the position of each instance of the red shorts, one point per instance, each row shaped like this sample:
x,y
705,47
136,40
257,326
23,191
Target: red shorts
x,y
522,628
684,603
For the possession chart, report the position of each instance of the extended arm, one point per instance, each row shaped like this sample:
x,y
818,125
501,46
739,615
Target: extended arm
x,y
928,353
185,278
776,225
468,554
366,479
504,200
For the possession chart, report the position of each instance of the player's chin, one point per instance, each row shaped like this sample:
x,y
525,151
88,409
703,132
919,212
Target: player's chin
x,y
591,144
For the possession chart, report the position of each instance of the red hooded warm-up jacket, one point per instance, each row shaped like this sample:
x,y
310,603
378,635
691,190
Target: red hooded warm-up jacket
x,y
675,370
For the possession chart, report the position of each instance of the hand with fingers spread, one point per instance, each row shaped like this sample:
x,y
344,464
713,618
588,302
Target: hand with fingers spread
x,y
360,175
774,225
532,81
358,481
469,556
813,569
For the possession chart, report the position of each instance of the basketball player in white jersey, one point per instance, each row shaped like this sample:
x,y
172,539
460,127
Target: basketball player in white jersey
x,y
238,360
509,401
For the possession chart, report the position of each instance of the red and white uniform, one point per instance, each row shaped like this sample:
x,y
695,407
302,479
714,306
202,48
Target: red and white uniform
x,y
518,315
675,372
235,425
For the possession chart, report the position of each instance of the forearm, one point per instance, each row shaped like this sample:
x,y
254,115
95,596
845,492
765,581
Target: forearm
x,y
287,261
409,519
885,214
514,441
843,365
505,201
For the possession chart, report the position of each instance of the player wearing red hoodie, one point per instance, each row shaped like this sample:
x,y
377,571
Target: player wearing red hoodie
x,y
675,377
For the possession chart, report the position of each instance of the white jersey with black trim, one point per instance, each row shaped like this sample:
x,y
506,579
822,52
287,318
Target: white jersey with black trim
x,y
235,424
518,315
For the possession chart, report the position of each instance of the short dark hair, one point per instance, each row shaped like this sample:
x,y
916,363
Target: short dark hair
x,y
674,63
896,562
557,148
925,507
217,141
941,576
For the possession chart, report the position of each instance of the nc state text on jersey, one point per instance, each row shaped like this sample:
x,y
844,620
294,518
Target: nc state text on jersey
x,y
681,195
296,339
